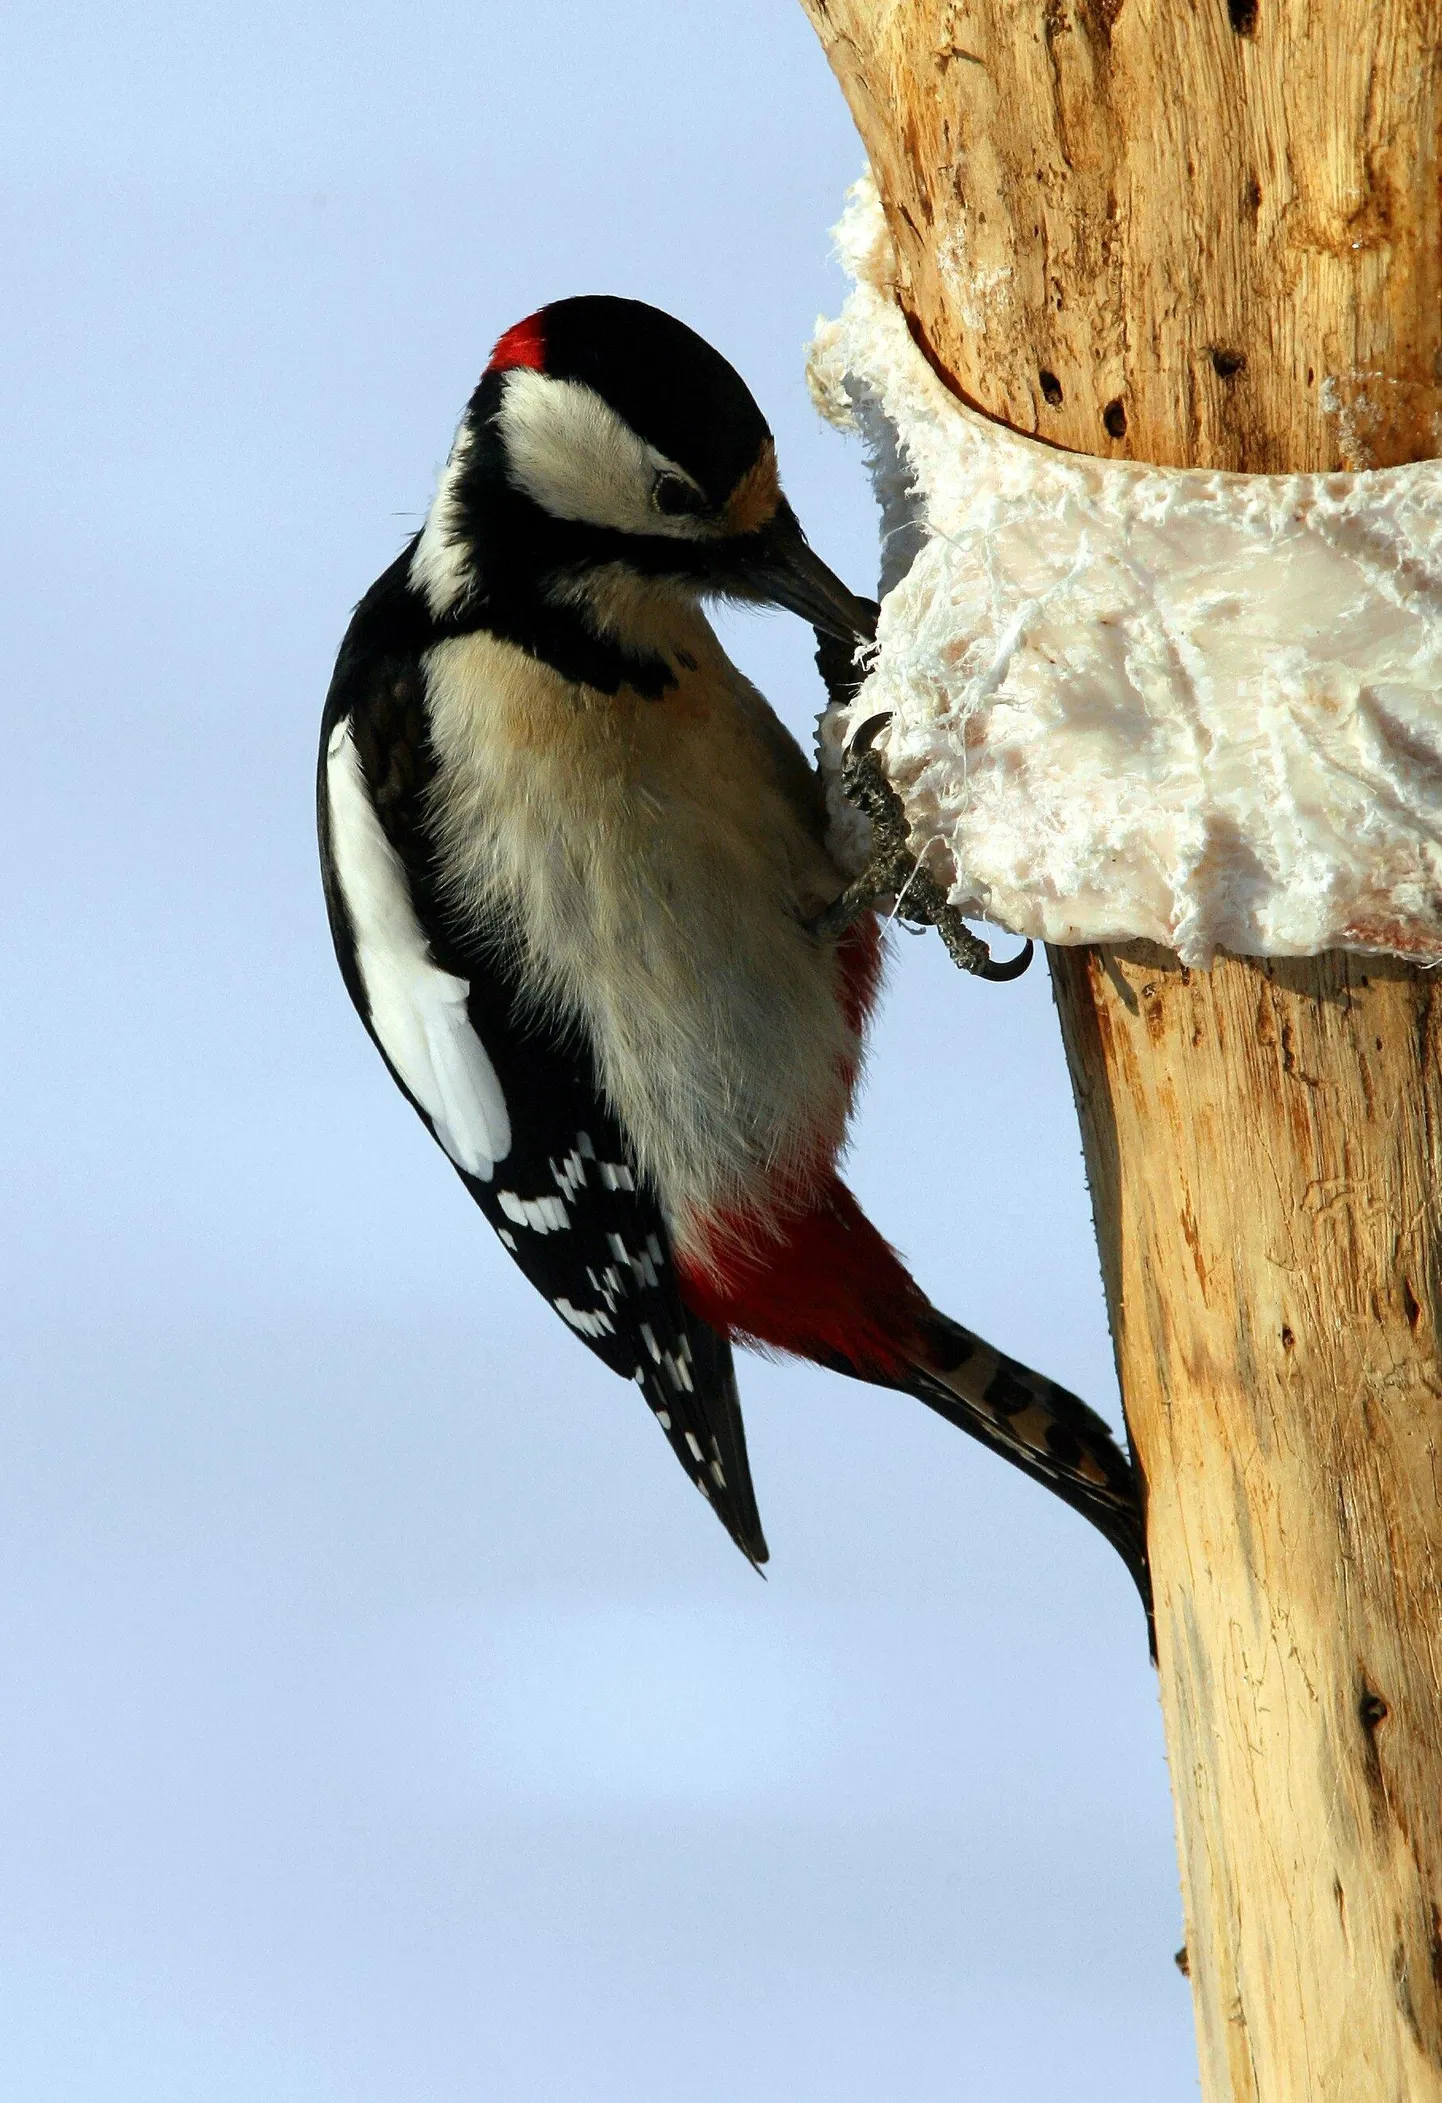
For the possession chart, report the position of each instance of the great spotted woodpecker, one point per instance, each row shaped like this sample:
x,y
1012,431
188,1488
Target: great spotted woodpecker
x,y
581,894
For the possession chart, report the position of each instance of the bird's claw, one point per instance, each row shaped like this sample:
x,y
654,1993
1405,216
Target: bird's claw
x,y
894,872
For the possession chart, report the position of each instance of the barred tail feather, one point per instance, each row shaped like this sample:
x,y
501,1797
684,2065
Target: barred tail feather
x,y
1040,1428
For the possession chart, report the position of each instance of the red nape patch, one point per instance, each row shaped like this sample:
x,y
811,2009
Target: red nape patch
x,y
822,1284
523,344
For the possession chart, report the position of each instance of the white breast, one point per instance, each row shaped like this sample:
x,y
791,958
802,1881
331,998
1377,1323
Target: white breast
x,y
417,1011
660,873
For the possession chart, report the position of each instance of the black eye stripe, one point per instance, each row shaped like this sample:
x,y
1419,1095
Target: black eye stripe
x,y
674,498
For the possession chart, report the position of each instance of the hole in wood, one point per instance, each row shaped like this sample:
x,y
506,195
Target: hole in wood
x,y
1114,416
1226,364
1051,388
1288,1340
1409,1303
1242,14
1372,1710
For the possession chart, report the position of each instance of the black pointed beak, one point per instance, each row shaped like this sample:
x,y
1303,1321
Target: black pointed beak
x,y
784,571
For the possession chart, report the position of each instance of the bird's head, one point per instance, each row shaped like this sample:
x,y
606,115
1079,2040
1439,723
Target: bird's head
x,y
611,461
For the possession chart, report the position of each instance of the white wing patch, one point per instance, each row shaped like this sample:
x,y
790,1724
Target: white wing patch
x,y
417,1010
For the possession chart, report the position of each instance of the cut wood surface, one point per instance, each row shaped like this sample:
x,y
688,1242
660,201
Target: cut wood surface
x,y
1208,233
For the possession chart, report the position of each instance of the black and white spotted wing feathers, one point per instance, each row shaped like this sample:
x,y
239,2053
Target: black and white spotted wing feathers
x,y
511,1098
581,1224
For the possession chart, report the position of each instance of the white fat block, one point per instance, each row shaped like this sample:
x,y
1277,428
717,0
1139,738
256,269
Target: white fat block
x,y
1130,701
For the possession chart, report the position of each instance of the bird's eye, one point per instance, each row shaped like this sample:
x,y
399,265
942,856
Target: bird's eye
x,y
675,497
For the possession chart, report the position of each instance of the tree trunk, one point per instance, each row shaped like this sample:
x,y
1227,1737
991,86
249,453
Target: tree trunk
x,y
1209,233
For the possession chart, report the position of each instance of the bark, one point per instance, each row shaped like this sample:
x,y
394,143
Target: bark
x,y
1209,233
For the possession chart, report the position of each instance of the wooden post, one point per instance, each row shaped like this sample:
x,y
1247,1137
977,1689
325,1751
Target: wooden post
x,y
1209,233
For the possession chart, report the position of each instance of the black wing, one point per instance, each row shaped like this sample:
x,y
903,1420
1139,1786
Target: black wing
x,y
515,1105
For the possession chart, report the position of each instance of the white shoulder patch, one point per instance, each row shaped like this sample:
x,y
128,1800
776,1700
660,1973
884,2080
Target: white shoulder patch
x,y
417,1010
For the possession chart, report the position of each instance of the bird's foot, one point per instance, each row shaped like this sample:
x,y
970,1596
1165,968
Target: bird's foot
x,y
894,872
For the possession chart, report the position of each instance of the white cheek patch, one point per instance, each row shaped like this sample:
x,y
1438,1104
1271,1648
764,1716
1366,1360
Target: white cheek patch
x,y
575,457
417,1011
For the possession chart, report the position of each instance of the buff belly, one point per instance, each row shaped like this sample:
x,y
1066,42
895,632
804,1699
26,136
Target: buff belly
x,y
659,870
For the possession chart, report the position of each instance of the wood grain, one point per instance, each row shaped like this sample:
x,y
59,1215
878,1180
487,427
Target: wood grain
x,y
1139,232
1208,233
1265,1146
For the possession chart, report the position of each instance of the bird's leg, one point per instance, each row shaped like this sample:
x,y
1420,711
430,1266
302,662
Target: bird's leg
x,y
890,864
892,870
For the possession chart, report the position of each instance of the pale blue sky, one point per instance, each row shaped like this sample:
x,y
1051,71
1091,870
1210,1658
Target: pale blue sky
x,y
381,1716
